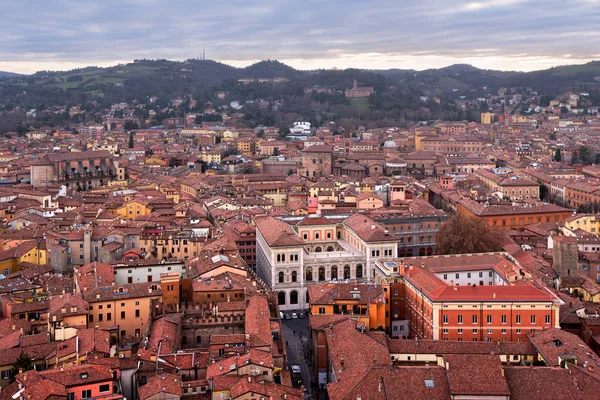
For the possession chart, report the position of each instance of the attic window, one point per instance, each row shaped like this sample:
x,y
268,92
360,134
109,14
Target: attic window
x,y
557,343
84,375
429,383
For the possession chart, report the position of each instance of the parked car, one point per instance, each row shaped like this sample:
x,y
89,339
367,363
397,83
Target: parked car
x,y
301,315
287,316
294,315
296,376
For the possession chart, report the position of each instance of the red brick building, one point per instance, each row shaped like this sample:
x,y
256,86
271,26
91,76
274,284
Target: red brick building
x,y
473,297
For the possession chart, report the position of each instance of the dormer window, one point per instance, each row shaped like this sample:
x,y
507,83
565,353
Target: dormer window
x,y
84,375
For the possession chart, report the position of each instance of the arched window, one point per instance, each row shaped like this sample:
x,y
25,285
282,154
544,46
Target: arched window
x,y
293,297
321,274
318,249
328,235
309,274
346,272
281,298
334,272
281,277
329,248
294,276
359,271
316,235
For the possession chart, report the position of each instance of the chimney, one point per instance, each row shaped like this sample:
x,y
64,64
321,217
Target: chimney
x,y
494,295
447,366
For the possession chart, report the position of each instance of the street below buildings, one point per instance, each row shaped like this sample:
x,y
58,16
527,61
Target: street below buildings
x,y
299,353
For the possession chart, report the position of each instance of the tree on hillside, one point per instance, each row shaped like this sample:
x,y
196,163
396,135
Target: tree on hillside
x,y
463,234
131,140
557,155
585,155
130,125
22,364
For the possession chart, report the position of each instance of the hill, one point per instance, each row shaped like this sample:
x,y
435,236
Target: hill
x,y
4,74
270,69
167,79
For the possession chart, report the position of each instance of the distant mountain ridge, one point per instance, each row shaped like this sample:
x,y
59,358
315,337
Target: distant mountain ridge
x,y
4,74
174,78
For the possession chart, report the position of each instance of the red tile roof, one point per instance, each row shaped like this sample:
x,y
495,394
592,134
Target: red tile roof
x,y
167,384
475,375
277,233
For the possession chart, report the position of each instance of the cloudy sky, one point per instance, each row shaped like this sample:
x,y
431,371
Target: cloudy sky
x,y
501,34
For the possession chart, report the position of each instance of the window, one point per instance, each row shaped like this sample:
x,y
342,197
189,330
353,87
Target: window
x,y
100,317
460,320
375,253
489,331
547,319
468,274
321,310
6,374
481,274
86,394
474,331
445,319
137,313
109,316
504,319
70,396
122,314
281,277
104,388
533,319
91,318
491,274
460,331
504,331
474,319
294,276
445,331
457,276
518,331
489,319
518,319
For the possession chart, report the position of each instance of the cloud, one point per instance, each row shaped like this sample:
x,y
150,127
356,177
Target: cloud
x,y
504,34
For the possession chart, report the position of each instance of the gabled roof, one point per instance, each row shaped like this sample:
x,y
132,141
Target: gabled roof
x,y
277,233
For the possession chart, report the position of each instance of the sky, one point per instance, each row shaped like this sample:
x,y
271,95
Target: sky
x,y
310,34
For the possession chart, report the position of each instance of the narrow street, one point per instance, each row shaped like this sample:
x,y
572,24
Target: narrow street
x,y
296,335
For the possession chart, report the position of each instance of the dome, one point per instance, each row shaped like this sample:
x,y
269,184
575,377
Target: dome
x,y
389,144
